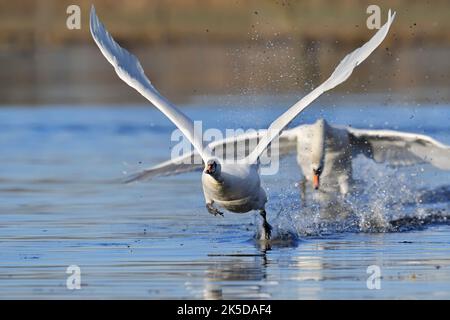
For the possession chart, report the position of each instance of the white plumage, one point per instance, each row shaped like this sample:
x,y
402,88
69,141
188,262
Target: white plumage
x,y
331,149
235,187
341,145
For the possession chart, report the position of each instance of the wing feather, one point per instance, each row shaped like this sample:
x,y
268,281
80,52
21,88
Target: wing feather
x,y
236,147
129,69
399,148
340,74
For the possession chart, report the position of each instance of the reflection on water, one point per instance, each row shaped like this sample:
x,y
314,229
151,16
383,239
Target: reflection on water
x,y
61,206
236,276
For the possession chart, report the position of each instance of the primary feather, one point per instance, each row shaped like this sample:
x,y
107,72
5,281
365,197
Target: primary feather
x,y
400,148
340,74
129,69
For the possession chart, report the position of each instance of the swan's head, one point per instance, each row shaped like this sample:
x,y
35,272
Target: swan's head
x,y
212,167
318,151
316,177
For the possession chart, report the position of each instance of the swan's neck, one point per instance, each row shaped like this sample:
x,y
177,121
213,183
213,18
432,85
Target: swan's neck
x,y
217,177
318,143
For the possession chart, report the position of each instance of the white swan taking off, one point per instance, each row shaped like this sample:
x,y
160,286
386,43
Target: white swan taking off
x,y
235,187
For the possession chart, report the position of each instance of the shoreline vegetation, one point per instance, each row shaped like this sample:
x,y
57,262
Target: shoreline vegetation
x,y
192,48
31,23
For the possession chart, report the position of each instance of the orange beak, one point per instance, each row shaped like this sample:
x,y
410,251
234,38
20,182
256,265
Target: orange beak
x,y
316,181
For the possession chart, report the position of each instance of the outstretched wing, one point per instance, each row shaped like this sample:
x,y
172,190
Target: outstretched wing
x,y
340,74
185,163
129,69
235,148
399,148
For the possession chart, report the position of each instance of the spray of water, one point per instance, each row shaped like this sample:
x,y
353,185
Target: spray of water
x,y
385,200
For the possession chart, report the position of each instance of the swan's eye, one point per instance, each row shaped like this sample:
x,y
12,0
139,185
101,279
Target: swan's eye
x,y
211,167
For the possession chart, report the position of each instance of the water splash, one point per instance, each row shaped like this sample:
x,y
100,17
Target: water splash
x,y
385,200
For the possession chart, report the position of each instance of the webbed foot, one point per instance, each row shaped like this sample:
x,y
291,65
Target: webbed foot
x,y
212,210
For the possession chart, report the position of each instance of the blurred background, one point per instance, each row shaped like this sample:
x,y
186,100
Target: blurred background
x,y
70,129
199,48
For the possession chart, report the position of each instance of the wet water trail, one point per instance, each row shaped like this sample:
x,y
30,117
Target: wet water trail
x,y
61,205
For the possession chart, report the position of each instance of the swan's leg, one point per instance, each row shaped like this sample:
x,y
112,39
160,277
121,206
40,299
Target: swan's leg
x,y
344,185
302,185
213,210
267,228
